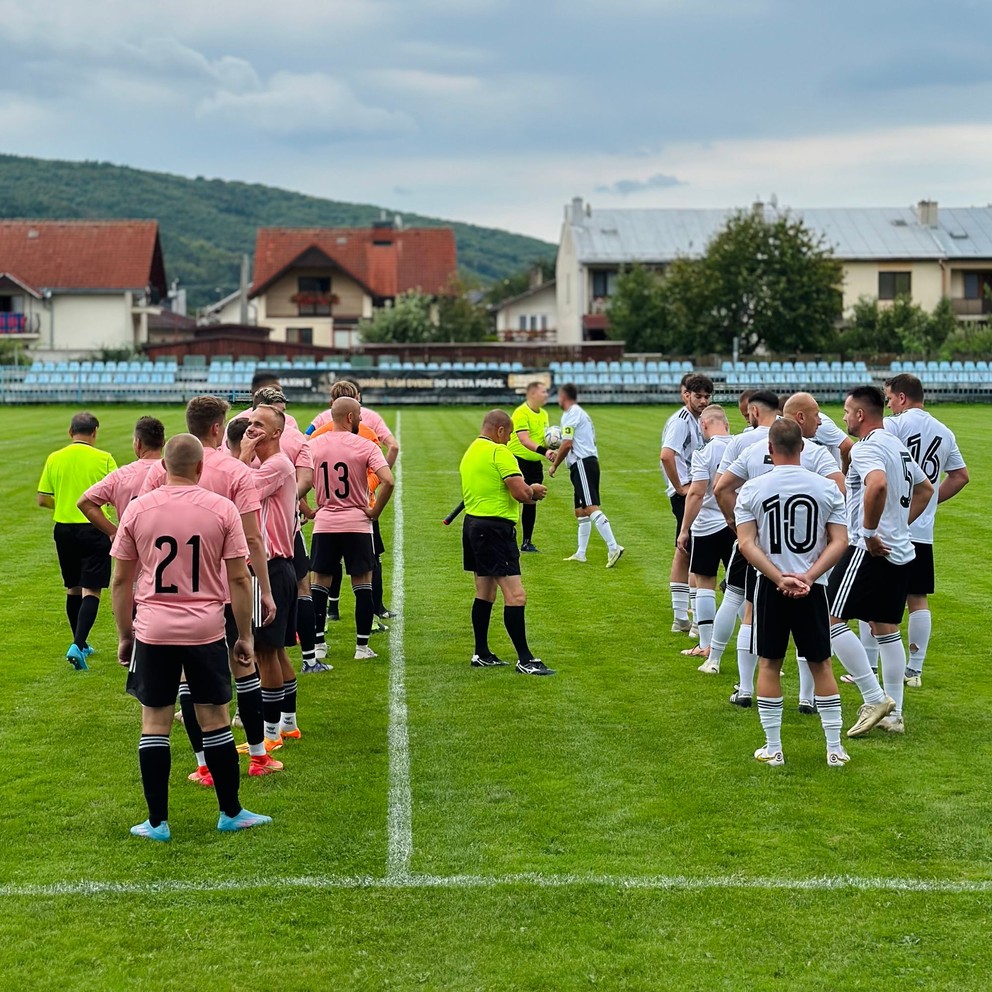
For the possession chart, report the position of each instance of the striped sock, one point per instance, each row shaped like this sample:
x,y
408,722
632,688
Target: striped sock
x,y
272,711
222,760
363,613
830,716
680,599
306,629
155,761
318,596
289,705
770,714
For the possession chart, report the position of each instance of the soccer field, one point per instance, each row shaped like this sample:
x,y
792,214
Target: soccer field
x,y
443,827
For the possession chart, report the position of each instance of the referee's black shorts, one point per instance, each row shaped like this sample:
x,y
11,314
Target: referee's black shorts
x,y
84,556
532,469
489,546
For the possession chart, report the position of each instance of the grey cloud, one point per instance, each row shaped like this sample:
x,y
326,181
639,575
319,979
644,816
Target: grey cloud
x,y
626,187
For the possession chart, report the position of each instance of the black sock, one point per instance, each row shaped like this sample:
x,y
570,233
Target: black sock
x,y
513,618
72,604
155,761
289,696
189,718
222,760
377,606
272,711
363,612
528,515
334,592
249,689
306,628
318,597
87,617
482,611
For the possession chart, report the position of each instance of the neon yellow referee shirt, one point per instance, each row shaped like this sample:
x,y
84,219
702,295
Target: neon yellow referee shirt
x,y
534,422
68,473
484,467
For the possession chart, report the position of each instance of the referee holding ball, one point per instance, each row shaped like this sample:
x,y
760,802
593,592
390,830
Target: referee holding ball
x,y
493,489
530,421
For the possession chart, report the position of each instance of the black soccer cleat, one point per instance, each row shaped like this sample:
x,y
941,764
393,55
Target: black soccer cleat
x,y
737,698
332,612
487,661
806,707
529,548
533,667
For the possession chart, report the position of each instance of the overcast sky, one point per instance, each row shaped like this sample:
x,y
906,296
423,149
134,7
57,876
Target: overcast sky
x,y
499,111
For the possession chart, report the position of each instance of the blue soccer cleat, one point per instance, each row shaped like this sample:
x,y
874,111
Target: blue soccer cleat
x,y
245,820
159,833
87,651
76,658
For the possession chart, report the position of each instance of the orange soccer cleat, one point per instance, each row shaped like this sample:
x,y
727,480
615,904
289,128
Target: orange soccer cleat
x,y
264,765
202,777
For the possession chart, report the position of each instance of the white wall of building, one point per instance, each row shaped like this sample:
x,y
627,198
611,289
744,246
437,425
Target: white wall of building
x,y
86,322
538,310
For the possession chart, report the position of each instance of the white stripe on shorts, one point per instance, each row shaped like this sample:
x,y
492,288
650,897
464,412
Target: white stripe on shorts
x,y
847,583
256,602
586,495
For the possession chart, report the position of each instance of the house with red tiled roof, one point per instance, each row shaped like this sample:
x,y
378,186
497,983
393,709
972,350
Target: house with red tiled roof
x,y
314,285
79,286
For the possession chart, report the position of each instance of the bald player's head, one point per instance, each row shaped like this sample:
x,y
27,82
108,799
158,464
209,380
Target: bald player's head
x,y
183,456
346,414
497,426
805,411
785,442
713,421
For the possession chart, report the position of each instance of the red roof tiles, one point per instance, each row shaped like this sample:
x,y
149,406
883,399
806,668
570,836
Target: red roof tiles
x,y
385,262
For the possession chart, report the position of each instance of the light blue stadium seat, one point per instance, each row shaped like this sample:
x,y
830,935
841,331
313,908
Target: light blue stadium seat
x,y
615,366
763,366
848,366
36,367
663,366
895,367
86,366
74,366
150,366
651,367
60,367
836,367
739,366
946,366
969,366
106,378
686,367
800,366
727,367
982,365
787,367
933,367
31,379
555,366
445,366
639,366
516,366
860,367
774,366
640,378
44,378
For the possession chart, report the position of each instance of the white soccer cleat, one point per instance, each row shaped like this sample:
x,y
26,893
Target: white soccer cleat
x,y
575,557
913,681
614,556
681,626
320,651
709,668
837,759
869,715
364,653
773,759
894,724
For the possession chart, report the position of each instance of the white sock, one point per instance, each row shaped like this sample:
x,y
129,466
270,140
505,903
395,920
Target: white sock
x,y
725,621
705,612
845,644
830,716
770,714
747,662
892,654
257,750
692,601
920,625
680,599
805,680
288,721
585,531
201,759
605,531
869,643
272,731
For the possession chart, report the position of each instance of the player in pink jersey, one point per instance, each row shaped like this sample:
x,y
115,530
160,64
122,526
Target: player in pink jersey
x,y
370,418
271,394
186,547
343,524
124,484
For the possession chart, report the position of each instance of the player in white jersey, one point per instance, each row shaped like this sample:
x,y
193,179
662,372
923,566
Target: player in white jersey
x,y
886,491
935,450
704,539
578,451
681,437
791,527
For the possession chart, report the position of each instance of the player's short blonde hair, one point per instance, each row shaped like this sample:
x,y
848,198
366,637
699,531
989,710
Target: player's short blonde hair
x,y
714,412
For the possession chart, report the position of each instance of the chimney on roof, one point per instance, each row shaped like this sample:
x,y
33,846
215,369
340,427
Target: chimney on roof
x,y
758,209
537,276
574,213
928,213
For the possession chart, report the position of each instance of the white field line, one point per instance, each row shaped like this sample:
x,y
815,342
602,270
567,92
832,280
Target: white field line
x,y
399,825
652,883
453,472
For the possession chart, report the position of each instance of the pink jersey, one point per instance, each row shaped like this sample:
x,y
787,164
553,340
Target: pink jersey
x,y
341,463
181,537
275,481
122,485
296,447
370,418
222,474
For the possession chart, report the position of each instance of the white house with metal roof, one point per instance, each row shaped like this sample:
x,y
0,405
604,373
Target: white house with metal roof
x,y
926,252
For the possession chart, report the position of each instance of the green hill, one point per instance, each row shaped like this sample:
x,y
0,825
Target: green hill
x,y
207,224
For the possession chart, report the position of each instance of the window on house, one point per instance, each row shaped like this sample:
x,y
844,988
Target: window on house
x,y
972,286
521,323
604,283
314,296
533,323
299,335
6,304
894,284
544,322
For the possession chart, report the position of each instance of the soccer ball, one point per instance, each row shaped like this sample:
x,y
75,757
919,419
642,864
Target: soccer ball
x,y
552,437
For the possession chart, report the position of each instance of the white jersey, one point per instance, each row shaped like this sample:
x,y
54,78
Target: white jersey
x,y
830,436
576,426
935,450
883,451
705,462
682,435
755,460
740,443
791,507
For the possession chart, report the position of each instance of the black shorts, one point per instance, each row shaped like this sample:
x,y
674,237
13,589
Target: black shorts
x,y
153,676
281,632
585,481
301,560
709,550
84,556
678,509
776,617
489,546
327,550
921,572
866,588
377,546
739,570
532,469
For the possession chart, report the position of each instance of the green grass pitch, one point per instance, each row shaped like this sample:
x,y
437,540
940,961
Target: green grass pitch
x,y
604,828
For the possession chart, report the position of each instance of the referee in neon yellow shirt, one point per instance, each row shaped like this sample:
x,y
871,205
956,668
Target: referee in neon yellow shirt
x,y
530,421
84,551
493,489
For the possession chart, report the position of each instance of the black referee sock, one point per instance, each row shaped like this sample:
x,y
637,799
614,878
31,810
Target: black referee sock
x,y
528,516
306,628
155,761
222,760
249,688
482,611
318,596
72,604
84,622
513,619
363,613
189,719
377,605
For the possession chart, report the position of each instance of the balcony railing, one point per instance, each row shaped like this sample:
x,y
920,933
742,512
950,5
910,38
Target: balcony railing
x,y
19,323
972,308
